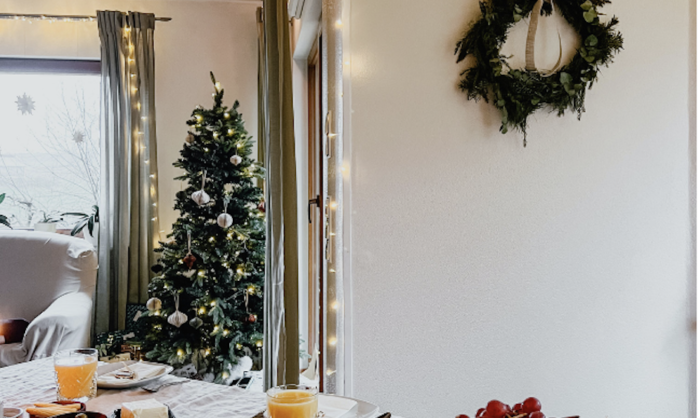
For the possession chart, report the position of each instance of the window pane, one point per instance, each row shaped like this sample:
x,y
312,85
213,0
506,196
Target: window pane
x,y
49,145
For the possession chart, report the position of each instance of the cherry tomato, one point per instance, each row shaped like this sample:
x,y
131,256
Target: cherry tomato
x,y
537,414
480,412
517,408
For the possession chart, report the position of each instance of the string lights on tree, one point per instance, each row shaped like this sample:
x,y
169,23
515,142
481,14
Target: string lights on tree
x,y
212,270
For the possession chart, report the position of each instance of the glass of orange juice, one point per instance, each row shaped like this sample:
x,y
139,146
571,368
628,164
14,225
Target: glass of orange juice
x,y
292,401
76,374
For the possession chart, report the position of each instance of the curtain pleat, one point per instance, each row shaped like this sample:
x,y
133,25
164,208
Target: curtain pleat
x,y
128,213
262,91
281,350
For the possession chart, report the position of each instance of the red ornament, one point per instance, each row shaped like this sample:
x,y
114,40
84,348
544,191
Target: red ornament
x,y
189,260
252,318
261,206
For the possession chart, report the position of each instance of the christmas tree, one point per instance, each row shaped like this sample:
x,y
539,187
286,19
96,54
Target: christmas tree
x,y
206,301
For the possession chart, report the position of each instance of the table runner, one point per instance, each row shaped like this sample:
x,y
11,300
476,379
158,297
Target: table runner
x,y
34,381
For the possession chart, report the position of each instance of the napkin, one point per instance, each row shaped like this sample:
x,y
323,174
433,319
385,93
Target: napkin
x,y
336,407
141,371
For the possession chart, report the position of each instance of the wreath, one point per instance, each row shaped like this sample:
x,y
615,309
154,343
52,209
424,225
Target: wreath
x,y
519,93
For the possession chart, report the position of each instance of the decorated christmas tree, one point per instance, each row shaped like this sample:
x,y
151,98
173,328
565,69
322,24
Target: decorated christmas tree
x,y
206,306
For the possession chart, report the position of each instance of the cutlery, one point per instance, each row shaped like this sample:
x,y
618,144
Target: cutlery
x,y
155,387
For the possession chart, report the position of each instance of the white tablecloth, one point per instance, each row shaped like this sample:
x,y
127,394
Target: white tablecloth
x,y
31,382
27,383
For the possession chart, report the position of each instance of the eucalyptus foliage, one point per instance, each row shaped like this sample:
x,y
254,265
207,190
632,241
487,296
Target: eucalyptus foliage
x,y
519,93
222,293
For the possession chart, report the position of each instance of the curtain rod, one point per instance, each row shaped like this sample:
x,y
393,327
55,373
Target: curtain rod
x,y
61,18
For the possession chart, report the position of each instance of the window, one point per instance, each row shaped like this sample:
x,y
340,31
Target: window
x,y
49,139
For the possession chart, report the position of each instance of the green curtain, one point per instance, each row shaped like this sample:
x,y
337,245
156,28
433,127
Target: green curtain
x,y
128,215
281,349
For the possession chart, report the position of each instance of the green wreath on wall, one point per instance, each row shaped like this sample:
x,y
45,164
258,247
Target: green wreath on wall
x,y
519,93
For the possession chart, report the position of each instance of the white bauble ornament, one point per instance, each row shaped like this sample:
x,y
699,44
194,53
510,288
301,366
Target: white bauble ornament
x,y
189,139
154,304
201,197
177,319
224,220
236,159
196,322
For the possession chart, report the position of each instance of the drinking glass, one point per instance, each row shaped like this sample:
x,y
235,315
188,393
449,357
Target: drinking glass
x,y
292,401
76,374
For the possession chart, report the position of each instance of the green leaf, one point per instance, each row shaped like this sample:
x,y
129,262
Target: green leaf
x,y
2,197
535,101
91,225
81,215
589,58
517,18
518,9
590,16
565,78
592,40
501,103
587,5
79,226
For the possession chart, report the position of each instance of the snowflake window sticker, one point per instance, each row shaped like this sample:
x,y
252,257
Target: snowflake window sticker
x,y
78,137
25,104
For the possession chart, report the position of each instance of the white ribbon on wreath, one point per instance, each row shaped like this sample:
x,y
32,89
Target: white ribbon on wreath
x,y
530,45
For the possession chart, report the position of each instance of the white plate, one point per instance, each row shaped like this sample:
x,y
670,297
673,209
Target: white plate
x,y
125,384
13,412
363,409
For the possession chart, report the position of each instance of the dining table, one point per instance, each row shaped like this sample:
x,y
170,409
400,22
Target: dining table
x,y
24,384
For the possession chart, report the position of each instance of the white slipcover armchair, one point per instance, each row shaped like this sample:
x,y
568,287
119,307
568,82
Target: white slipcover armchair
x,y
49,280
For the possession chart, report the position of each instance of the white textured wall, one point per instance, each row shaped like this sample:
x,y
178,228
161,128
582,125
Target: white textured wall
x,y
219,36
484,270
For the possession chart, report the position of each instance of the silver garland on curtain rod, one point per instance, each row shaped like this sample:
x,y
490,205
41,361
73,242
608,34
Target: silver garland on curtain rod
x,y
60,18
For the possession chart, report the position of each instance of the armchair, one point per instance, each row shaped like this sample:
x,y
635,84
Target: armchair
x,y
49,280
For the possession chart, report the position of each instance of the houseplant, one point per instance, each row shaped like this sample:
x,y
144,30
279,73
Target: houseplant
x,y
3,218
46,224
91,221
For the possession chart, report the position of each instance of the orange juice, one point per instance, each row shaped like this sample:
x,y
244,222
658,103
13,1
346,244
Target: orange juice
x,y
75,376
293,404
